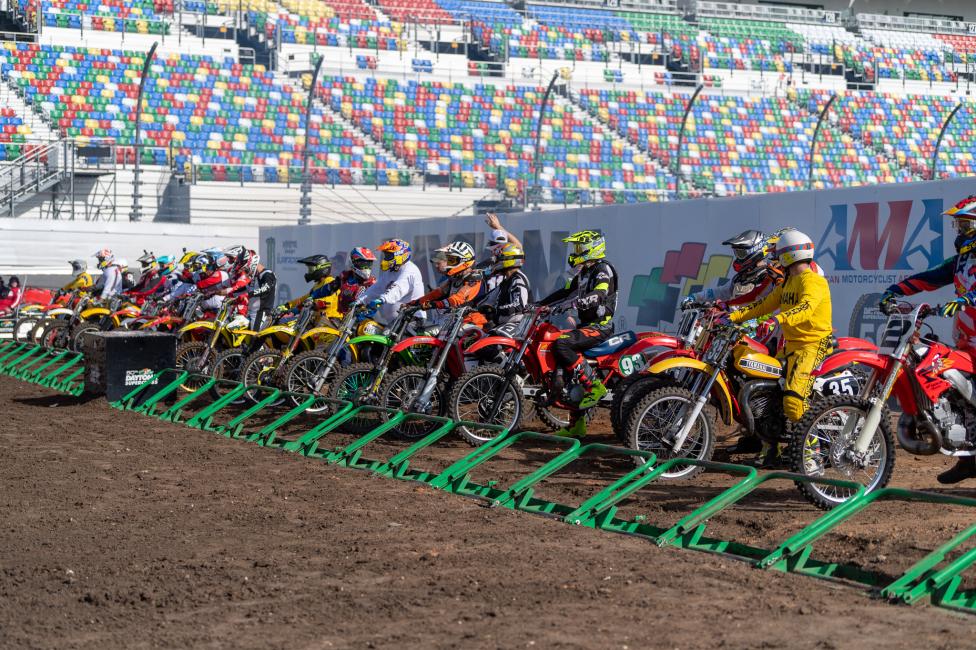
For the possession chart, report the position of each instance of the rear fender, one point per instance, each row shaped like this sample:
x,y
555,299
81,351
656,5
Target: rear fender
x,y
490,341
370,338
93,313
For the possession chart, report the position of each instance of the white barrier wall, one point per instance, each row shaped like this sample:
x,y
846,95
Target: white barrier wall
x,y
866,238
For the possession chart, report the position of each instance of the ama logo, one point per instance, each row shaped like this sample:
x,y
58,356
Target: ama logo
x,y
867,239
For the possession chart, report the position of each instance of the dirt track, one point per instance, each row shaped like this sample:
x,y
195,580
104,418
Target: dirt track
x,y
121,531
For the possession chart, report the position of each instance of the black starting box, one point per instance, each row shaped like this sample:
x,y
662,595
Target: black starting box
x,y
117,362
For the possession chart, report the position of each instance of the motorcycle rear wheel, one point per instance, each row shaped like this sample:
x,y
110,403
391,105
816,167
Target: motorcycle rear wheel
x,y
226,367
350,384
472,399
56,335
816,450
300,375
656,414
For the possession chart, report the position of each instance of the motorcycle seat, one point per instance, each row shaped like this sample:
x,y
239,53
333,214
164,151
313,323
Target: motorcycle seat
x,y
611,345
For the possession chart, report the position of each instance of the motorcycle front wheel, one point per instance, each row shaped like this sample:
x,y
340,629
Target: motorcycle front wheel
x,y
654,421
399,392
823,447
486,396
194,358
259,369
302,376
351,384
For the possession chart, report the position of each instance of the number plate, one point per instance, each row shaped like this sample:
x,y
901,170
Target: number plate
x,y
632,363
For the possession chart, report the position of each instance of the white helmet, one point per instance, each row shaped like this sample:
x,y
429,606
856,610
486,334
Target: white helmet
x,y
453,259
123,264
793,246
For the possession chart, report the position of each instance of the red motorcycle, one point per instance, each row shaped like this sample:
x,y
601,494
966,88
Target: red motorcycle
x,y
849,437
496,393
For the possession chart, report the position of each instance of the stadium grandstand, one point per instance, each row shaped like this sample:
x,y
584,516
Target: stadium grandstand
x,y
443,107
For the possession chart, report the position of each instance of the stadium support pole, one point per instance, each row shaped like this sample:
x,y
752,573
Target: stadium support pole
x,y
813,143
305,209
681,139
538,138
938,142
136,213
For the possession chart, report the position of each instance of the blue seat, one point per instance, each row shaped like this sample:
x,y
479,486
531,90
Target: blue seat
x,y
613,344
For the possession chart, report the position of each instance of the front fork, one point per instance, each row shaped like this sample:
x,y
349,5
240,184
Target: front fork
x,y
696,409
873,418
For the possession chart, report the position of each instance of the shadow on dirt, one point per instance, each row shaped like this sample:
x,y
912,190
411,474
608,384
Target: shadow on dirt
x,y
56,400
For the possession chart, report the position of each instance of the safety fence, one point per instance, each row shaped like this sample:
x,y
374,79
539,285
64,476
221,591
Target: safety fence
x,y
61,370
341,433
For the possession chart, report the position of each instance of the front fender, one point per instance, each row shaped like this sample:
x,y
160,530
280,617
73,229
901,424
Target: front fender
x,y
370,338
93,312
855,343
60,311
848,357
197,325
720,391
418,340
488,341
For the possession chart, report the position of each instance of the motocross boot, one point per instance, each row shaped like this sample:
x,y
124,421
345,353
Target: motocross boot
x,y
964,468
595,390
576,428
747,444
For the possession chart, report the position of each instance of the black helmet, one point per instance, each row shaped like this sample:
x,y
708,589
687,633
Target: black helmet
x,y
748,249
319,267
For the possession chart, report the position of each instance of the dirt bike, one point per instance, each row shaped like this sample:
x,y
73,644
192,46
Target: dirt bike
x,y
278,344
205,357
850,438
360,382
174,313
312,371
423,389
496,393
726,375
55,331
102,318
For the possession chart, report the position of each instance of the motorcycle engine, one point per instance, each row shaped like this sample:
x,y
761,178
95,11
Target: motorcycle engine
x,y
955,417
767,411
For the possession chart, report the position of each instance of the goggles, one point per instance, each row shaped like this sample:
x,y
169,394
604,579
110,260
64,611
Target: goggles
x,y
363,264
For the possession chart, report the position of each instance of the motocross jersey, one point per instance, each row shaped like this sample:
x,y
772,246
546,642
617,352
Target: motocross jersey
x,y
804,308
394,288
263,289
595,287
110,283
80,281
150,283
323,294
350,286
509,296
959,271
454,292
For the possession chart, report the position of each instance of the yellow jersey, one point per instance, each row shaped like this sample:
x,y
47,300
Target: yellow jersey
x,y
804,308
80,281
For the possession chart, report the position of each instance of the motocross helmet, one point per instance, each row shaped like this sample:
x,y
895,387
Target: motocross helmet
x,y
454,259
202,266
165,264
361,259
234,253
396,253
964,219
793,246
146,261
749,248
509,256
105,258
318,267
588,245
242,260
78,266
253,261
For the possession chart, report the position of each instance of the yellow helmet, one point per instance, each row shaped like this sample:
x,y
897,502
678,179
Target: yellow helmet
x,y
588,245
509,256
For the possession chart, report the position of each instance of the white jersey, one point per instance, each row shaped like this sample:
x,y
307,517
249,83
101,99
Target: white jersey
x,y
111,281
394,288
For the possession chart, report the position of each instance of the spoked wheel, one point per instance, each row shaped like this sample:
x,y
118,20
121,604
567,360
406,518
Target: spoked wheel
x,y
626,394
824,448
24,329
79,333
195,358
56,335
306,373
486,396
656,420
351,384
400,391
227,367
259,369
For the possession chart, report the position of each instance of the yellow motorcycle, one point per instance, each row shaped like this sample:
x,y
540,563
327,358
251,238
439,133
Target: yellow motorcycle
x,y
204,341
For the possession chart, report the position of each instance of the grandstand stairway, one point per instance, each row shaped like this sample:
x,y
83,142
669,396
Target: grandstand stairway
x,y
41,168
11,100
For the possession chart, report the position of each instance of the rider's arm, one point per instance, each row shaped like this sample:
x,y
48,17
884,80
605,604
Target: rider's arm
x,y
766,306
515,301
437,293
396,292
266,284
721,292
465,294
929,280
561,294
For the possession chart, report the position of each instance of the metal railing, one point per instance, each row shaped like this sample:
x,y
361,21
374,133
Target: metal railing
x,y
40,168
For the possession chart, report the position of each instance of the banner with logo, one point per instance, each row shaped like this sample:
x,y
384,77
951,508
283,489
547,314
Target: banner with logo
x,y
866,239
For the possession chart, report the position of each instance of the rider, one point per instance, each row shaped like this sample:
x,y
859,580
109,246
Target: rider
x,y
81,280
804,314
318,271
261,294
398,283
128,279
14,294
111,281
506,302
960,271
153,278
594,288
456,261
755,277
358,277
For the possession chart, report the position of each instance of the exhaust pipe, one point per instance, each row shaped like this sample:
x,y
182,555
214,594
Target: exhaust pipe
x,y
908,431
745,395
